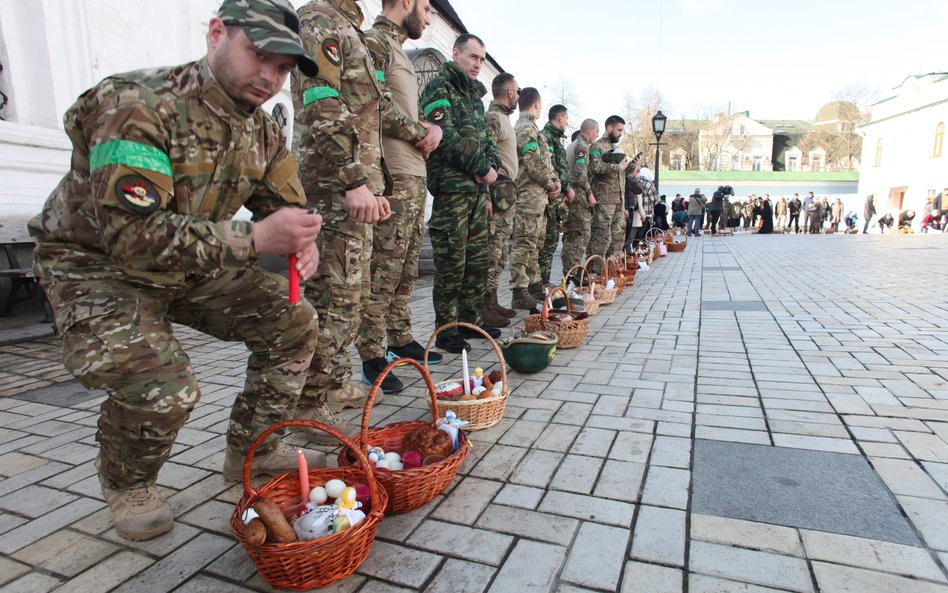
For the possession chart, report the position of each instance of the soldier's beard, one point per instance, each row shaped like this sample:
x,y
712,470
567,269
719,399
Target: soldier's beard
x,y
614,139
413,24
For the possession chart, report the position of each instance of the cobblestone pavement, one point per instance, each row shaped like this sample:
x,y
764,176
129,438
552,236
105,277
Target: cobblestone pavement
x,y
759,413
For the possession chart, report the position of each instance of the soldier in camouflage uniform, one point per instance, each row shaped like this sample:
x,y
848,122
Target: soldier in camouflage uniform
x,y
139,234
554,131
458,175
579,219
503,194
397,241
338,144
608,183
537,184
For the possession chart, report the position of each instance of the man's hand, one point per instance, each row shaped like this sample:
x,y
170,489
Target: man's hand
x,y
307,261
489,179
624,165
286,231
570,195
490,210
385,209
430,143
591,200
362,205
556,191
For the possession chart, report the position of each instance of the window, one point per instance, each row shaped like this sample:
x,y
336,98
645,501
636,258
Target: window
x,y
939,139
878,161
793,164
757,163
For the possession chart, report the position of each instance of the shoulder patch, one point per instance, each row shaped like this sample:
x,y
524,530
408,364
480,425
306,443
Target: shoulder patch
x,y
529,147
137,194
331,51
595,153
580,154
434,106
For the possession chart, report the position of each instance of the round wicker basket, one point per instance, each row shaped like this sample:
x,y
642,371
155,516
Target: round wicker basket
x,y
570,333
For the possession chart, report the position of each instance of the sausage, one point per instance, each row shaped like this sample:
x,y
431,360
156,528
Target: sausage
x,y
278,528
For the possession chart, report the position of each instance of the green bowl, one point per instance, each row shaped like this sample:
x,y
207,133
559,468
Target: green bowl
x,y
529,353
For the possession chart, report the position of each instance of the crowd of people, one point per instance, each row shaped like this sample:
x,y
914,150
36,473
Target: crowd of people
x,y
811,215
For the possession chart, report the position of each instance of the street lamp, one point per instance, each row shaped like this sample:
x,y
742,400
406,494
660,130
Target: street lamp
x,y
658,128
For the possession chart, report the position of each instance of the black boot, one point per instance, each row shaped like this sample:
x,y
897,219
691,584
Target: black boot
x,y
536,291
371,369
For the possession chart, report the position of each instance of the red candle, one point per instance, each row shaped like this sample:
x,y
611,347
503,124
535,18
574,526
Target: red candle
x,y
304,477
294,282
411,460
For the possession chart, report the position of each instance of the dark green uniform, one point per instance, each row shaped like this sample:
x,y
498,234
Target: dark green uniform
x,y
556,209
458,224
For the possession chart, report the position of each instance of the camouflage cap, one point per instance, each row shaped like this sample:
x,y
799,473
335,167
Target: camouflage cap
x,y
272,25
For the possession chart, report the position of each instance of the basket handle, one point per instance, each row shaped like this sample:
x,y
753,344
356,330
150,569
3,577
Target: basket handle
x,y
605,268
545,316
249,492
377,385
582,276
500,354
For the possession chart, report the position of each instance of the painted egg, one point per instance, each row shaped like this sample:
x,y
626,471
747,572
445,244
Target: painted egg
x,y
318,495
334,488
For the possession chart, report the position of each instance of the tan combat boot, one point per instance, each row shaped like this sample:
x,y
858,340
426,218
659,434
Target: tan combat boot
x,y
490,314
139,513
350,395
283,458
522,299
320,413
508,313
537,291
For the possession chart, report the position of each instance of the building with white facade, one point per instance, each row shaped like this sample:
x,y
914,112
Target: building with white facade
x,y
903,157
53,50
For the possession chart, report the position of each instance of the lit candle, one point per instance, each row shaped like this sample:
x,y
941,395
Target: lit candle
x,y
304,476
467,377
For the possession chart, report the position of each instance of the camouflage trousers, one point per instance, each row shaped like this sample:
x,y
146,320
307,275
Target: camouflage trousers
x,y
576,234
501,227
608,220
458,230
525,254
118,337
551,239
396,246
339,291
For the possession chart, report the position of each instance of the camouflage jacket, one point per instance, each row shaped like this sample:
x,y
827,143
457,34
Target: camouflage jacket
x,y
162,160
554,139
337,132
536,177
453,101
400,127
607,179
577,155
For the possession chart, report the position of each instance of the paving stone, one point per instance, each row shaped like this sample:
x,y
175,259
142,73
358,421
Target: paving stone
x,y
458,576
620,480
750,566
588,508
557,437
10,570
530,568
498,463
467,501
15,463
700,583
213,515
536,469
206,584
162,546
671,452
659,536
632,446
54,520
641,577
930,517
233,564
595,442
746,534
35,501
65,552
177,567
907,477
665,486
399,565
871,554
844,579
468,543
924,447
595,558
539,526
33,582
524,497
577,474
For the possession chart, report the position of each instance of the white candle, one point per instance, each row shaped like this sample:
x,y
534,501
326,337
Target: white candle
x,y
467,377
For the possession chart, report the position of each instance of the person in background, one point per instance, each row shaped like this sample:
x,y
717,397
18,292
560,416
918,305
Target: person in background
x,y
869,211
781,211
696,202
794,206
661,213
836,215
885,222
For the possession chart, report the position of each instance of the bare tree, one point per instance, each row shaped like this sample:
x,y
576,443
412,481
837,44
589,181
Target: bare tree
x,y
638,113
853,101
562,92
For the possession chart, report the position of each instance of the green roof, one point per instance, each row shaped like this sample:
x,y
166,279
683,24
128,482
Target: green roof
x,y
759,176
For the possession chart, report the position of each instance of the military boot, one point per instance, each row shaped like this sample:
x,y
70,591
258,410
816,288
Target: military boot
x,y
523,299
491,316
283,458
320,413
139,512
537,291
508,313
350,395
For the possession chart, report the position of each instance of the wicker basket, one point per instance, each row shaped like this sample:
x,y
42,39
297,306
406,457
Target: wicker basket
x,y
407,489
656,240
591,303
480,413
317,563
608,295
676,240
618,272
570,333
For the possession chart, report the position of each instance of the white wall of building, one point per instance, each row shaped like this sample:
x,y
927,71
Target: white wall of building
x,y
53,50
906,125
